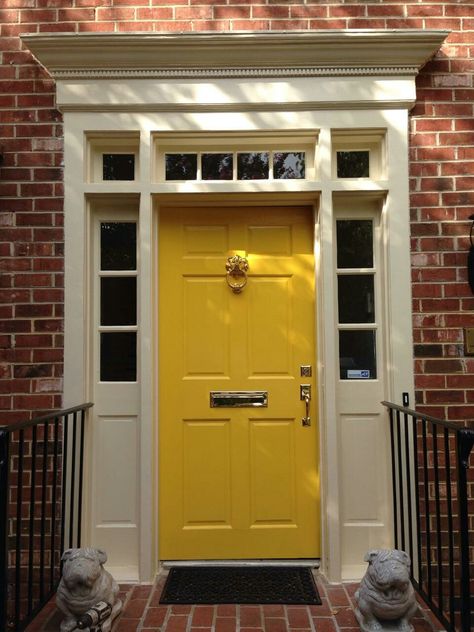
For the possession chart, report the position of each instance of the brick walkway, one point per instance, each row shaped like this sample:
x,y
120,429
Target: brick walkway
x,y
142,611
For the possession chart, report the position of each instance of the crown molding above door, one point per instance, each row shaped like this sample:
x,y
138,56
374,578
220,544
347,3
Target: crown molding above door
x,y
241,54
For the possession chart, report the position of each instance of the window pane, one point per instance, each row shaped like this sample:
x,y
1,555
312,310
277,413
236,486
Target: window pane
x,y
352,164
118,166
118,357
118,301
357,355
118,246
181,166
253,166
288,165
217,166
356,298
355,243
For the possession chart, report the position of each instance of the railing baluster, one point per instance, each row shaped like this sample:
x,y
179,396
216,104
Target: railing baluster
x,y
439,560
64,478
34,437
73,480
450,524
4,491
409,497
417,500
53,502
465,442
427,505
19,501
43,506
400,482
394,486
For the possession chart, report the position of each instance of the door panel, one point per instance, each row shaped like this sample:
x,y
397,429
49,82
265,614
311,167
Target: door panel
x,y
272,472
236,482
207,461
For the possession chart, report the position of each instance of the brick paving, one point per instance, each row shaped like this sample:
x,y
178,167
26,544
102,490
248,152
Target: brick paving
x,y
143,612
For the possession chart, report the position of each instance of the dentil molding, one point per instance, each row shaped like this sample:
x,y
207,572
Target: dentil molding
x,y
240,54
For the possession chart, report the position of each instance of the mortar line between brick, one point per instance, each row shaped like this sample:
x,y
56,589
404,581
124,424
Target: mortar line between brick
x,y
147,605
190,618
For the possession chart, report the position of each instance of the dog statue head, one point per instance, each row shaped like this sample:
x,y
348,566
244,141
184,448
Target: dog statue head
x,y
388,570
82,568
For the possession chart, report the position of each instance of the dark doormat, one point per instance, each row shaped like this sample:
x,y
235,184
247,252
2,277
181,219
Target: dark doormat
x,y
237,584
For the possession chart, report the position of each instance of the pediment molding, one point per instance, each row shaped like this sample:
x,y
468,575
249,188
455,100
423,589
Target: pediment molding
x,y
226,55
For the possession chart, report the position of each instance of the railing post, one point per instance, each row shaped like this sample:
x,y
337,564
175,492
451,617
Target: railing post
x,y
4,462
465,443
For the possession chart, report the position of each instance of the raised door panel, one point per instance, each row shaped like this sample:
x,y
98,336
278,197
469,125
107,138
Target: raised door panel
x,y
207,462
269,326
272,472
206,327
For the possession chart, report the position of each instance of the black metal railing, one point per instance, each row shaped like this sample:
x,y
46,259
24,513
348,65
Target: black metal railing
x,y
432,498
41,480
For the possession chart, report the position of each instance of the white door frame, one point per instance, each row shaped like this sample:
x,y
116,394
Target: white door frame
x,y
264,84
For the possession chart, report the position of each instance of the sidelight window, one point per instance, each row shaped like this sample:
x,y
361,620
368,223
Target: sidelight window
x,y
118,301
356,299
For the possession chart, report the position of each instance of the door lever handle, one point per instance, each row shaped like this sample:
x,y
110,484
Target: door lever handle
x,y
305,396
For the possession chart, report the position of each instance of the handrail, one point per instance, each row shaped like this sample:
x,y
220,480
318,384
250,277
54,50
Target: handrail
x,y
428,456
41,496
419,415
39,420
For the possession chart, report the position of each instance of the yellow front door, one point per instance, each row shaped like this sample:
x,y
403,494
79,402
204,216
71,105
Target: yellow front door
x,y
237,482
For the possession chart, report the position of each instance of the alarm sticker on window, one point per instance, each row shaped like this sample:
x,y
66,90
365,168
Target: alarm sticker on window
x,y
361,374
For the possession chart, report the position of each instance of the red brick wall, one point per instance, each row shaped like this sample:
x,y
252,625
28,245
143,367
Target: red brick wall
x,y
442,164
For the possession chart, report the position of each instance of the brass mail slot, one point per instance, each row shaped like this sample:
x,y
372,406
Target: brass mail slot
x,y
239,399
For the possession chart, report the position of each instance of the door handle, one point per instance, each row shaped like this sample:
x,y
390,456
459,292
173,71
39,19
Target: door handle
x,y
305,396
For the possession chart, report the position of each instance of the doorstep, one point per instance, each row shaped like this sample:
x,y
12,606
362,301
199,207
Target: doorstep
x,y
142,612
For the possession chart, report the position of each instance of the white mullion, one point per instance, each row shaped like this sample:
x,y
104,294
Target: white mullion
x,y
353,271
118,273
199,167
117,328
357,326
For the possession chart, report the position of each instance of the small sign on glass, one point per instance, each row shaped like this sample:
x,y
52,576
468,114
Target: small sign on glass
x,y
359,374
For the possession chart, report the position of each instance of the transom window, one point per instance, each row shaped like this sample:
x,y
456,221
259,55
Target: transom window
x,y
248,165
235,157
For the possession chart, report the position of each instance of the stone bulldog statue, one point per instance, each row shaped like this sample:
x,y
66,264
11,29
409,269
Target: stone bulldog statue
x,y
85,583
385,598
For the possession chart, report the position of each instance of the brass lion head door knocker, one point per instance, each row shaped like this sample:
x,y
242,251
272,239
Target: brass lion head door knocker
x,y
237,267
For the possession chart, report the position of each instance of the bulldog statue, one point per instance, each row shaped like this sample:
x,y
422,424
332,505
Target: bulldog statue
x,y
385,598
85,583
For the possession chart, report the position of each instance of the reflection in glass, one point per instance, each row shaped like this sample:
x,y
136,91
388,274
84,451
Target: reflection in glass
x,y
118,301
253,166
118,356
288,165
355,243
118,166
357,355
181,166
217,166
118,246
356,298
352,164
